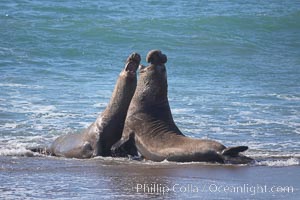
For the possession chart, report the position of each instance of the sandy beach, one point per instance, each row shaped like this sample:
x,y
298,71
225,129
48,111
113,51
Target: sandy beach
x,y
99,178
233,76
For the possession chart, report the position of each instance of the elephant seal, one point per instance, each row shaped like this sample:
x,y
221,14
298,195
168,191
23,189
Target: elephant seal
x,y
98,138
150,125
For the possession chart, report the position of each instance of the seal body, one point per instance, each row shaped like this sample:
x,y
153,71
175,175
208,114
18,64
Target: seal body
x,y
98,138
150,125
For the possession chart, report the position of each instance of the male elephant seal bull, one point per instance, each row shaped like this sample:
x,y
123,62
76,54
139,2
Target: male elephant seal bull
x,y
150,125
98,138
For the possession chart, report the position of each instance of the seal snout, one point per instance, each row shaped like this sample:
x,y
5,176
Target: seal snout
x,y
134,57
156,57
133,62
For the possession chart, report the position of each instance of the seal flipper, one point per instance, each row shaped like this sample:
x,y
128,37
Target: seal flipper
x,y
234,151
116,149
130,148
41,150
124,147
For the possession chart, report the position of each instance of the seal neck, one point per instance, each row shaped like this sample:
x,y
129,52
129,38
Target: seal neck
x,y
152,84
122,95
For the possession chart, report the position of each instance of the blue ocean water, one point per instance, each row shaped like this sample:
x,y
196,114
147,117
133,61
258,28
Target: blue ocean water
x,y
233,72
233,68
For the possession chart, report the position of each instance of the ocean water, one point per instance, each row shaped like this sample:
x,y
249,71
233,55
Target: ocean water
x,y
233,73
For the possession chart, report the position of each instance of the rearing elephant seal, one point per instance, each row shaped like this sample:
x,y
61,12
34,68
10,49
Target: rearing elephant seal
x,y
98,138
150,124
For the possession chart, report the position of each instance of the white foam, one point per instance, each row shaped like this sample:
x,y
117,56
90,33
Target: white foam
x,y
16,152
17,85
216,129
245,113
280,162
10,125
18,145
42,109
288,97
182,110
6,51
258,154
257,148
85,124
24,106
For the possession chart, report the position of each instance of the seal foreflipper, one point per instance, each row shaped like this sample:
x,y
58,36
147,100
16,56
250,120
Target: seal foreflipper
x,y
124,147
41,150
234,151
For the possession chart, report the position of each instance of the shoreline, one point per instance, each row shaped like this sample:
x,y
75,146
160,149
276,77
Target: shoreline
x,y
107,178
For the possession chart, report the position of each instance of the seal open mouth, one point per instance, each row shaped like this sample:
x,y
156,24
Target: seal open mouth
x,y
131,68
133,62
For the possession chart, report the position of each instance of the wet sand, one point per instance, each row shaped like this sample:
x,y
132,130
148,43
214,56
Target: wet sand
x,y
99,178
